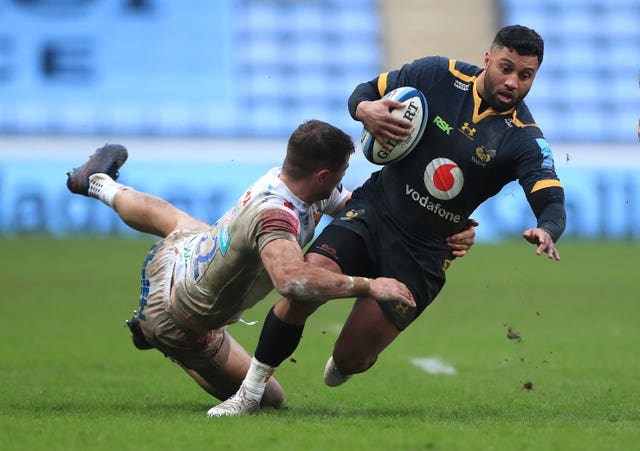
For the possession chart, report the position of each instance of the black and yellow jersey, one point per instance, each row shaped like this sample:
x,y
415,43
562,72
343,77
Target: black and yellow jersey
x,y
467,154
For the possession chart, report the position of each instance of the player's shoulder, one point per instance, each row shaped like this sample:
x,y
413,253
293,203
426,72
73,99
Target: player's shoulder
x,y
266,192
460,73
526,134
463,70
523,123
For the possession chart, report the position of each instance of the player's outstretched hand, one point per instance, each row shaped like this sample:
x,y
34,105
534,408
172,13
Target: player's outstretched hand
x,y
462,242
385,289
376,117
544,242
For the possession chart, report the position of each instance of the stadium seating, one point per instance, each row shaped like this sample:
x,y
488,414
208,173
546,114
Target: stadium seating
x,y
587,88
279,62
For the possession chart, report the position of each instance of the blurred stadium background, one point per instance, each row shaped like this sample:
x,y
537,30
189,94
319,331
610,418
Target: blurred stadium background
x,y
205,93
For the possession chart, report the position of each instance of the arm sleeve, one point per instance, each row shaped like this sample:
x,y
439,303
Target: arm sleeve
x,y
364,91
548,206
273,224
421,74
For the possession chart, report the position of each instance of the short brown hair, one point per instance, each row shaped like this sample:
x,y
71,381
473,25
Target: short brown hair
x,y
315,145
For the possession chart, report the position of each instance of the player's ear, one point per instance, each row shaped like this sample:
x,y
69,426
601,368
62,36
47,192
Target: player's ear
x,y
487,57
322,175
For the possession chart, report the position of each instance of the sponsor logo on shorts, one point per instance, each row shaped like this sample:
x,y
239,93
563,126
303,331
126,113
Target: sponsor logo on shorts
x,y
328,249
401,308
144,280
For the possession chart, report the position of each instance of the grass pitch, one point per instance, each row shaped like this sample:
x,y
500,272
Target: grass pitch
x,y
545,356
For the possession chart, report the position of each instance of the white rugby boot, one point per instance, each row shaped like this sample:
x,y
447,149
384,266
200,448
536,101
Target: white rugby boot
x,y
241,403
332,375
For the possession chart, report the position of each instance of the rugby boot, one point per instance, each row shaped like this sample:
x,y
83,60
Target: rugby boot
x,y
107,159
241,403
332,375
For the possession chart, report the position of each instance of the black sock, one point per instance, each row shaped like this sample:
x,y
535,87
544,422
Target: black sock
x,y
277,340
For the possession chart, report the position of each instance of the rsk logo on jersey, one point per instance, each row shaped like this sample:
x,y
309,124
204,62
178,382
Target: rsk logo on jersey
x,y
442,125
443,178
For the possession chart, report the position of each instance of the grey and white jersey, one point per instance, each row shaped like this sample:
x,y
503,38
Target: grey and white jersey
x,y
219,273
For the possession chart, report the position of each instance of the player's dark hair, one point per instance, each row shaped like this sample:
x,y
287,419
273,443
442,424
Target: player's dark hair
x,y
316,145
525,41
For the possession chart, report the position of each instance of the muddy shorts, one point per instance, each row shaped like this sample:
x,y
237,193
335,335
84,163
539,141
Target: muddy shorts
x,y
202,351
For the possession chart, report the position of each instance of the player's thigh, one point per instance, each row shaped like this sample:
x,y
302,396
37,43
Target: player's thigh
x,y
365,334
187,222
322,262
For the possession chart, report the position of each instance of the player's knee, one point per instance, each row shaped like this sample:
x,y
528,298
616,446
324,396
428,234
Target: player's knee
x,y
353,362
295,312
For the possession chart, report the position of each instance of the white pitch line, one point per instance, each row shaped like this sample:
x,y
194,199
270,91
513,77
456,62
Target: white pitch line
x,y
433,365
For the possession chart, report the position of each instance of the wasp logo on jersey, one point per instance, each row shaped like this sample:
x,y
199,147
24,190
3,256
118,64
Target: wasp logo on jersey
x,y
482,156
351,214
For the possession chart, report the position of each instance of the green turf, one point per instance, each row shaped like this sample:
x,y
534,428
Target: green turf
x,y
71,380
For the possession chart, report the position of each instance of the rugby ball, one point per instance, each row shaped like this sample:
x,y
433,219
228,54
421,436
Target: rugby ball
x,y
415,109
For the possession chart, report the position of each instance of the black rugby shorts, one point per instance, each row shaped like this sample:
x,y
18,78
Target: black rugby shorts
x,y
366,244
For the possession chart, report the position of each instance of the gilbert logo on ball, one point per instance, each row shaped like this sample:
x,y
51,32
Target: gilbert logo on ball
x,y
415,110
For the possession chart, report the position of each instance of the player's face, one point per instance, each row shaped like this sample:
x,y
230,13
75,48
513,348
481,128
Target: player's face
x,y
508,77
333,178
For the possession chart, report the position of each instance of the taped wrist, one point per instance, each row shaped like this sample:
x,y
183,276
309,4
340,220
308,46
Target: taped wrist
x,y
358,286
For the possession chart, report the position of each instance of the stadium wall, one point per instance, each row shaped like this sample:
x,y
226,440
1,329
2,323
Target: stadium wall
x,y
205,177
461,30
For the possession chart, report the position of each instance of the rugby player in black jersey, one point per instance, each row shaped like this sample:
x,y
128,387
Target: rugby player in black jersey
x,y
480,136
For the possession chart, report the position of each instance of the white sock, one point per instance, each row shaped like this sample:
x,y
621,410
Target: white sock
x,y
257,377
103,187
